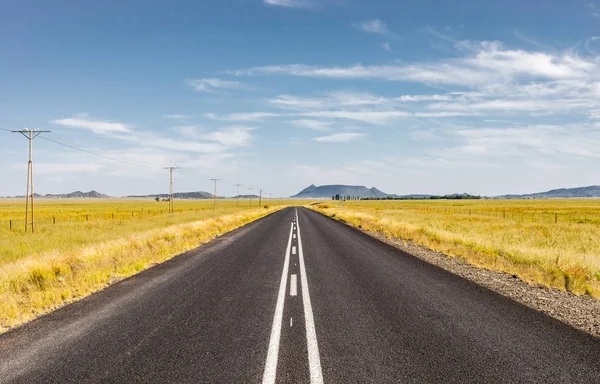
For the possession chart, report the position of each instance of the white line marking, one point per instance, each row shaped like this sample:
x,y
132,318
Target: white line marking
x,y
294,250
291,322
294,235
273,352
293,286
314,360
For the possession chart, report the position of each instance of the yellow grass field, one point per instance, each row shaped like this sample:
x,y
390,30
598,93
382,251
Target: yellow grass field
x,y
552,242
81,246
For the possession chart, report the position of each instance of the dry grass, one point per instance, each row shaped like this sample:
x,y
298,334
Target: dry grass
x,y
515,236
64,262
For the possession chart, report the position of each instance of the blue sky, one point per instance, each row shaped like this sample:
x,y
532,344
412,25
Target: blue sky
x,y
411,97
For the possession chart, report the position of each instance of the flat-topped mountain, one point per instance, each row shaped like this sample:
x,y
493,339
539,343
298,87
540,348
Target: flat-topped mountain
x,y
327,191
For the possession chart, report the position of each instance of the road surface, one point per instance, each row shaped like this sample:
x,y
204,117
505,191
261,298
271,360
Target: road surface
x,y
306,300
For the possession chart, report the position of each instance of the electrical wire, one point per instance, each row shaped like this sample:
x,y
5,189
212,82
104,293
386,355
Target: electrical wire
x,y
99,155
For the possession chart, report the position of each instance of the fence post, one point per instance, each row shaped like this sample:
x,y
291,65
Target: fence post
x,y
53,220
132,214
113,216
86,218
555,218
504,214
10,225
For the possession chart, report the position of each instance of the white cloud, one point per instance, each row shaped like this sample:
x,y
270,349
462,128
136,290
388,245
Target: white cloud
x,y
387,47
373,26
340,137
96,126
213,84
290,3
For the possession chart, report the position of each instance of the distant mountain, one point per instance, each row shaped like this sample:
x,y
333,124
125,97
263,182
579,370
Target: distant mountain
x,y
327,191
178,195
72,195
580,192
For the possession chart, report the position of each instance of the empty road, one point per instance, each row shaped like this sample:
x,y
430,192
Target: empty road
x,y
297,299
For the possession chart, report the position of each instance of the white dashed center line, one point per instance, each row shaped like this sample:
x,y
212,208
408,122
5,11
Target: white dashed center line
x,y
314,359
293,286
270,372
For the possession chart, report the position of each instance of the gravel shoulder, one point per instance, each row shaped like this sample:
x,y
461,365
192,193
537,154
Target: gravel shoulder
x,y
581,312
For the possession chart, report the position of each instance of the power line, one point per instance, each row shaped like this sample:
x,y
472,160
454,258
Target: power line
x,y
99,155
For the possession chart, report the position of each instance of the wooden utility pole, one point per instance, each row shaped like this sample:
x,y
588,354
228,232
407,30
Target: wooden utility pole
x,y
260,198
171,194
215,194
237,203
30,135
250,189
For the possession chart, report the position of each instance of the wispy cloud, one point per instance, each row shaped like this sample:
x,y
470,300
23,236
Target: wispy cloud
x,y
290,3
190,131
315,125
340,137
592,8
330,100
537,142
235,136
82,121
387,47
486,62
213,84
434,32
250,116
177,116
373,26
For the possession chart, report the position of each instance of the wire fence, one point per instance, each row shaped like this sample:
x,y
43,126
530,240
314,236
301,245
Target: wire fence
x,y
19,224
517,215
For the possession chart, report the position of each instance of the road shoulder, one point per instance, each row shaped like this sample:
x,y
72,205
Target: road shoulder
x,y
581,312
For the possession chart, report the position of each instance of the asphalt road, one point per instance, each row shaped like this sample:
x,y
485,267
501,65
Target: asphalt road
x,y
297,301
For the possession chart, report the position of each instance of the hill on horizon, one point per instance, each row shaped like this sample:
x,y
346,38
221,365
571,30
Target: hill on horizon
x,y
73,195
577,192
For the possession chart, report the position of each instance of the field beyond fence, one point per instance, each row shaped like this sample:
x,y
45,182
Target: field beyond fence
x,y
81,246
551,242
